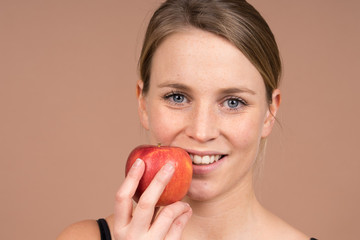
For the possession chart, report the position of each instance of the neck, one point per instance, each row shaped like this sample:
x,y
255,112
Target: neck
x,y
224,217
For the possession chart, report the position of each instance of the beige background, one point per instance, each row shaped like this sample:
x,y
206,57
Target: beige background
x,y
68,112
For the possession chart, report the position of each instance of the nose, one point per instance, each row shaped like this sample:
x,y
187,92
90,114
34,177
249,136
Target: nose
x,y
203,124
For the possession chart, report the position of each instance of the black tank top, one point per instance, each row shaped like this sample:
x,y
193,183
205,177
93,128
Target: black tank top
x,y
105,231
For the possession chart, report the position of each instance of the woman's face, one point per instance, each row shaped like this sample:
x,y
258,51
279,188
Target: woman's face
x,y
206,97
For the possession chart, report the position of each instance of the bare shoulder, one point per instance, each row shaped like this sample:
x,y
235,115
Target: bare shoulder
x,y
292,233
87,229
286,231
279,229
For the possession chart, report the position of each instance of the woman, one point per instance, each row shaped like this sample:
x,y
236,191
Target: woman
x,y
210,72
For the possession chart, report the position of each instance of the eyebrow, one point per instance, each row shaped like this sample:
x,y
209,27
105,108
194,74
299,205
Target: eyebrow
x,y
222,90
237,90
175,85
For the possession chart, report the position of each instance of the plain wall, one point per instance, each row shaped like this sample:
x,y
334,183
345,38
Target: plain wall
x,y
68,113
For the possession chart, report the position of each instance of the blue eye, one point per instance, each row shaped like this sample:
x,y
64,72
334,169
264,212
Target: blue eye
x,y
178,98
233,103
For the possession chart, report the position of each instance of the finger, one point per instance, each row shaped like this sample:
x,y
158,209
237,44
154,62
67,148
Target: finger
x,y
170,220
178,226
155,214
144,210
123,200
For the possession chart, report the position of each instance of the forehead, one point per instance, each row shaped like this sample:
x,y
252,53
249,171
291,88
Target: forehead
x,y
193,56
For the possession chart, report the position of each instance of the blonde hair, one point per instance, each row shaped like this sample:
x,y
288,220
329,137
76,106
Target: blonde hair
x,y
235,20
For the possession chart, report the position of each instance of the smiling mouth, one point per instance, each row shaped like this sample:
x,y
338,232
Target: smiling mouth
x,y
205,160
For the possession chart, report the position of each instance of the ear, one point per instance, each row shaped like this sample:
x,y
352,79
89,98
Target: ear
x,y
271,113
144,118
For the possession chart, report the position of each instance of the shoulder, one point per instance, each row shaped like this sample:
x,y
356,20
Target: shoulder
x,y
292,233
279,229
87,229
286,231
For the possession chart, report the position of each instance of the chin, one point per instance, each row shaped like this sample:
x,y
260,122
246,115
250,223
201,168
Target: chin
x,y
200,191
197,198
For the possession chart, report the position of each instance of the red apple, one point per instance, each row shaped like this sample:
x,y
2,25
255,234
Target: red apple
x,y
155,157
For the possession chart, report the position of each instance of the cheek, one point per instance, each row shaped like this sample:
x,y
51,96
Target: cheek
x,y
164,126
246,134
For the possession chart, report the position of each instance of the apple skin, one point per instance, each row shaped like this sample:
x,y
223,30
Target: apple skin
x,y
154,158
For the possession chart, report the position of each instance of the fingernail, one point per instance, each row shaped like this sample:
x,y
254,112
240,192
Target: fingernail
x,y
168,167
137,163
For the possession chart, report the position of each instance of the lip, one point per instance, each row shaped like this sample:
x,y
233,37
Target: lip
x,y
204,153
207,168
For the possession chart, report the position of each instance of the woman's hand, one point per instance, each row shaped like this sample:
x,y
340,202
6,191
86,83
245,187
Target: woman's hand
x,y
140,223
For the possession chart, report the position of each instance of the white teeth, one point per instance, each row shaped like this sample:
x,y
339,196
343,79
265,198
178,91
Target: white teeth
x,y
207,159
197,159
